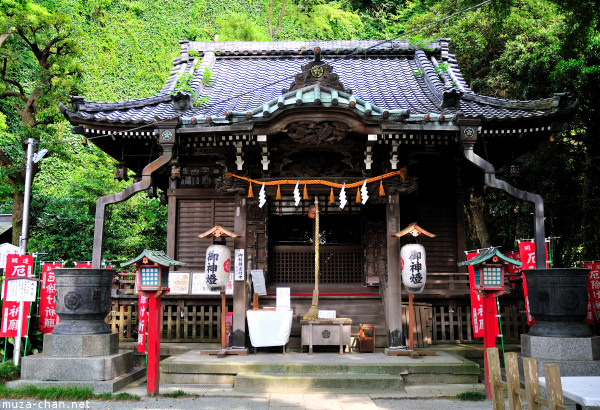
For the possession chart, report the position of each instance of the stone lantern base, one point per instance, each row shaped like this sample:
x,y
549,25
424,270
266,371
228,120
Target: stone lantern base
x,y
92,360
576,356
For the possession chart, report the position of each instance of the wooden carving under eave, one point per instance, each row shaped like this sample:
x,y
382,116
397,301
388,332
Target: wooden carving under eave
x,y
218,231
317,72
310,132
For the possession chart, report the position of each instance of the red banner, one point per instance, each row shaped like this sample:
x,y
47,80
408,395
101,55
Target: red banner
x,y
527,254
593,292
142,321
16,266
513,270
47,308
530,319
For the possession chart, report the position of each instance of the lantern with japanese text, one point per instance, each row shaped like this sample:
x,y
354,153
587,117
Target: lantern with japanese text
x,y
217,264
412,260
414,268
218,257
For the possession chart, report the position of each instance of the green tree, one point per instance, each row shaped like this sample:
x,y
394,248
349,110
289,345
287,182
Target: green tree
x,y
38,51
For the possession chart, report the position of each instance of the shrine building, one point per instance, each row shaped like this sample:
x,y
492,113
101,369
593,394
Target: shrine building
x,y
388,123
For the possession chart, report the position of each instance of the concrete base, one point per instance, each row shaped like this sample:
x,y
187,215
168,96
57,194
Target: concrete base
x,y
561,348
80,345
576,356
92,360
103,386
96,368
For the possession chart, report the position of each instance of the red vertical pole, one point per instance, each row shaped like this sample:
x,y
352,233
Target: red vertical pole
x,y
489,336
154,330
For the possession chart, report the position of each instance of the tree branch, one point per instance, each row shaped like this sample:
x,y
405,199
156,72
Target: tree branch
x,y
17,84
280,18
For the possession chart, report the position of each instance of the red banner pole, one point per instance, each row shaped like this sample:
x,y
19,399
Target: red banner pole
x,y
154,312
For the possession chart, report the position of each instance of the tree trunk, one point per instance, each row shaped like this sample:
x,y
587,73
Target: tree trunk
x,y
17,216
477,207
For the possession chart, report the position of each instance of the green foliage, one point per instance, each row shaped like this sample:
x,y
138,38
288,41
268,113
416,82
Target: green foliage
x,y
240,27
9,371
471,396
178,394
327,21
60,394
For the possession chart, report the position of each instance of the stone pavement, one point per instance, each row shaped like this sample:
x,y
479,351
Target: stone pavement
x,y
415,397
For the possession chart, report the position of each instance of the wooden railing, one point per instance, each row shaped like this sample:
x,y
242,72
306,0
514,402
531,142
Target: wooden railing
x,y
182,320
455,326
296,264
512,385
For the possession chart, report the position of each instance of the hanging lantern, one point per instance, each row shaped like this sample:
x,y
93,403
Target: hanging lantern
x,y
218,260
218,257
121,172
414,268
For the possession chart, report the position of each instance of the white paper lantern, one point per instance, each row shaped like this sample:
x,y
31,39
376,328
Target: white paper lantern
x,y
218,261
414,269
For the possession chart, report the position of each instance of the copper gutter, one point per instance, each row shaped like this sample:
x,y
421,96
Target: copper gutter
x,y
491,181
124,195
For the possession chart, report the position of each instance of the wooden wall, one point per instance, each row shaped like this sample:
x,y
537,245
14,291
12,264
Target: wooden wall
x,y
196,216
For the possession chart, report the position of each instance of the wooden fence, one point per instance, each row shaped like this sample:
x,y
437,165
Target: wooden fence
x,y
455,325
182,321
194,320
512,385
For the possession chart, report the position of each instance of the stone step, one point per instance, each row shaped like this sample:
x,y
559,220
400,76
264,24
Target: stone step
x,y
317,382
443,368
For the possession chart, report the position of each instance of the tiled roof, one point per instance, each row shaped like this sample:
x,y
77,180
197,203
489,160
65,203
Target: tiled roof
x,y
489,253
386,80
155,256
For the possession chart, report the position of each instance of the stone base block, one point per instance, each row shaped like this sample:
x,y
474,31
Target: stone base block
x,y
80,345
561,348
567,367
96,368
104,386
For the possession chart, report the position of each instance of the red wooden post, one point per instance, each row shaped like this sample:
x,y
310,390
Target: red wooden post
x,y
489,336
154,330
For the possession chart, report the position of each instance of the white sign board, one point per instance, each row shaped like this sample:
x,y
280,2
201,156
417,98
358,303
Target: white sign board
x,y
21,290
258,281
5,250
326,314
238,265
282,301
199,286
179,283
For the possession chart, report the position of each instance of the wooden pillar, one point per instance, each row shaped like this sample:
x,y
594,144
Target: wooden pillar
x,y
240,291
171,219
393,297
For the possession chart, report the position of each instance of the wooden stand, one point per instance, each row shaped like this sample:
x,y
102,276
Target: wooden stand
x,y
224,350
411,336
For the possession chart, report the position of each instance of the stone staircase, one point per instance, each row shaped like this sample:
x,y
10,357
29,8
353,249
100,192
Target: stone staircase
x,y
321,372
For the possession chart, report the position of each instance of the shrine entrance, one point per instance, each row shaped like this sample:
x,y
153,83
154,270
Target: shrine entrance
x,y
344,238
